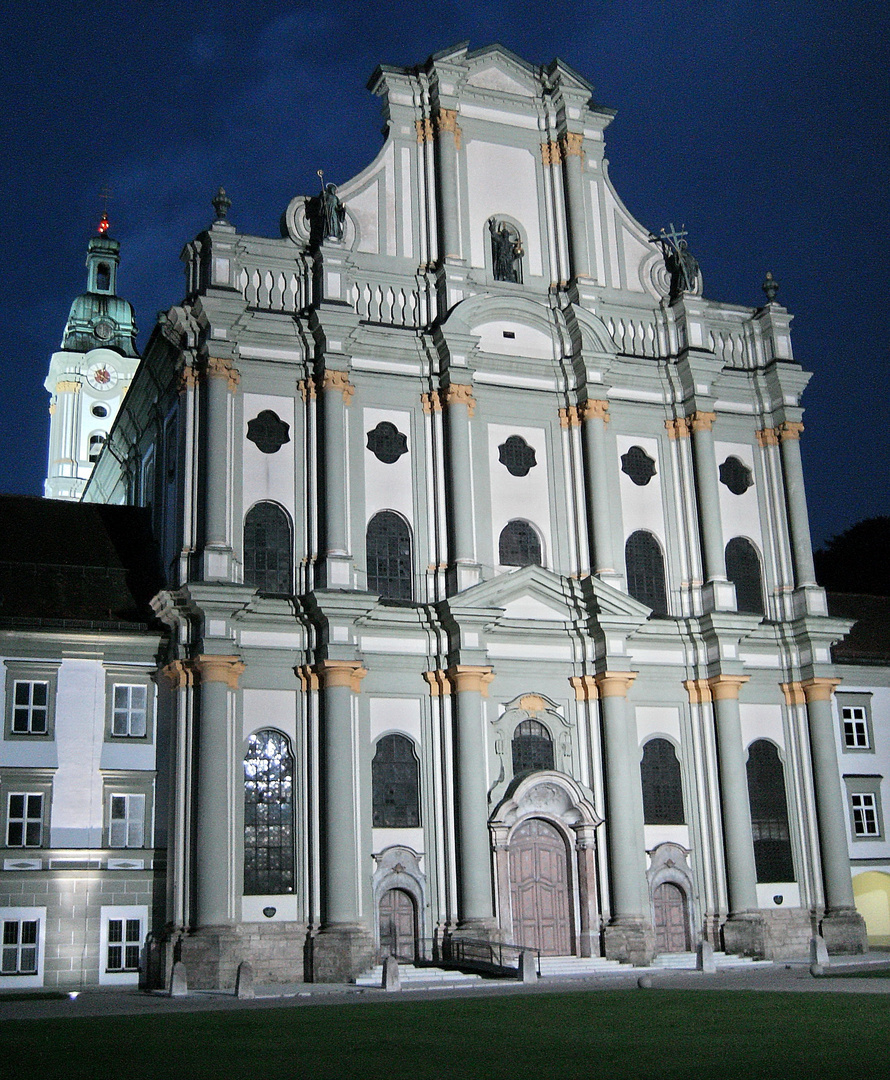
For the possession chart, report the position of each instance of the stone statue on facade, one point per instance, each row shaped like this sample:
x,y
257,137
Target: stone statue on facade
x,y
506,251
331,211
681,264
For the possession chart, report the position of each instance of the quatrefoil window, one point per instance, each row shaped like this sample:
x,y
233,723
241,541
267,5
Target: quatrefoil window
x,y
387,443
638,465
736,476
268,431
517,456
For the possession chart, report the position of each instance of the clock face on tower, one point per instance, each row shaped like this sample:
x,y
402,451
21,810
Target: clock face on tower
x,y
102,376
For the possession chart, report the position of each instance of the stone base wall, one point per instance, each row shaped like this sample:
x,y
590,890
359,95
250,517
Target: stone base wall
x,y
631,941
786,934
340,954
744,935
844,932
275,951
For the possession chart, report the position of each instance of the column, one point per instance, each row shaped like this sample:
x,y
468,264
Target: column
x,y
219,783
474,886
571,145
336,393
796,502
460,406
595,416
708,495
221,381
628,935
738,840
447,146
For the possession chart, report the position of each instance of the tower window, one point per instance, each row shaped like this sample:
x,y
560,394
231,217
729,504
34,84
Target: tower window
x,y
517,456
97,441
662,786
268,815
103,277
388,551
395,784
645,571
99,410
769,813
519,545
743,570
637,464
268,549
532,748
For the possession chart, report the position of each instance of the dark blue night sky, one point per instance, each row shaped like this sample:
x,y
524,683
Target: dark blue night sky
x,y
762,126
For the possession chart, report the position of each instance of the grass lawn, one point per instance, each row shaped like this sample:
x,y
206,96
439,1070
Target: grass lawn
x,y
640,1034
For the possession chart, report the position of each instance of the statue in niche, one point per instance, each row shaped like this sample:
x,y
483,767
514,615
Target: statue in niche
x,y
506,252
682,265
330,211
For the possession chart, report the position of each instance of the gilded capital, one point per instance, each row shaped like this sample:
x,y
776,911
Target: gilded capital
x,y
702,421
726,687
470,678
595,409
678,428
188,379
221,367
225,669
431,402
461,394
307,389
341,673
794,693
551,153
67,386
438,683
791,429
308,677
338,380
568,417
615,683
819,689
585,687
181,673
446,120
767,437
699,691
424,129
572,144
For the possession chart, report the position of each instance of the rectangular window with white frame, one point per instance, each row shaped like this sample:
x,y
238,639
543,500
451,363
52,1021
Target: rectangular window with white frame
x,y
122,934
30,699
22,932
865,815
129,710
864,806
854,710
24,819
126,820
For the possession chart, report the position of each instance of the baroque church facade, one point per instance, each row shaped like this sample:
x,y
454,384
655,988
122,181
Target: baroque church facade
x,y
490,596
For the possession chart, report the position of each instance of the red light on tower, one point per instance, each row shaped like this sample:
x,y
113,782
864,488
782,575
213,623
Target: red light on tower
x,y
103,225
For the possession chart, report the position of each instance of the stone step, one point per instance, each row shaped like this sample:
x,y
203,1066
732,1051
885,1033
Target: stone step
x,y
578,965
408,974
687,960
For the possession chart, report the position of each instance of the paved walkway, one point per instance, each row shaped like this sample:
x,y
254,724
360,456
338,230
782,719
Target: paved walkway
x,y
775,977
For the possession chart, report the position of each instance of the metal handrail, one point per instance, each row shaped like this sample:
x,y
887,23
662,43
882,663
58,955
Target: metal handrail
x,y
496,957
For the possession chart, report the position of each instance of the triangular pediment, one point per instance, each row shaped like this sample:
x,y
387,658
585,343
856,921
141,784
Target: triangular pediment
x,y
494,77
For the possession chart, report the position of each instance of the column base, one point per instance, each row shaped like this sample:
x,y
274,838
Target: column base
x,y
844,932
335,572
710,931
744,934
275,951
718,596
462,576
340,953
809,600
630,941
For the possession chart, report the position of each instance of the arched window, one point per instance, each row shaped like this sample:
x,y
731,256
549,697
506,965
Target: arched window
x,y
519,545
388,550
103,277
532,748
769,813
268,549
743,570
645,571
97,441
268,815
662,786
395,784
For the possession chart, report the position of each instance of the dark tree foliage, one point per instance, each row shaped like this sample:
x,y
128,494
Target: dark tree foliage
x,y
857,560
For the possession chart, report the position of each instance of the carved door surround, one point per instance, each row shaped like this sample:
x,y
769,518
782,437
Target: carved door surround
x,y
398,871
671,891
561,804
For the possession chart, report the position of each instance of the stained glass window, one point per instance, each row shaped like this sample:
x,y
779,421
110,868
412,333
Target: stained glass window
x,y
662,786
268,815
532,747
387,443
519,545
517,456
769,813
268,549
645,571
388,549
395,784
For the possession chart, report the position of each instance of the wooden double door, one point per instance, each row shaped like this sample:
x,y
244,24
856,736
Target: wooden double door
x,y
671,919
397,922
539,889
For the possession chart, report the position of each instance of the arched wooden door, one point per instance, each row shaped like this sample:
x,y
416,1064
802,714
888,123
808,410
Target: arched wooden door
x,y
397,919
671,919
539,889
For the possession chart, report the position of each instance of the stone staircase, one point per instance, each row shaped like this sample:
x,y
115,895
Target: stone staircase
x,y
426,977
686,961
555,966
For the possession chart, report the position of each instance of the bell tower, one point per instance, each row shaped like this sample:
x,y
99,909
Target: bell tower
x,y
90,374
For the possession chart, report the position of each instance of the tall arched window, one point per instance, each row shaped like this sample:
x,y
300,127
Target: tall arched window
x,y
532,748
388,550
743,570
645,571
395,784
268,815
769,813
519,545
662,786
268,549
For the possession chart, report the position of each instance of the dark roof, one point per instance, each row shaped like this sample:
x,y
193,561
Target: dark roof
x,y
76,564
869,640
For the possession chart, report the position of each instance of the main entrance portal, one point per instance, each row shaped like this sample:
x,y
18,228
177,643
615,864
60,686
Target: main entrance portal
x,y
671,919
398,925
539,889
